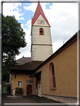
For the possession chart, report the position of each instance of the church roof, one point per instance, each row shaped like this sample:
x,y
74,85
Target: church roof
x,y
23,60
29,66
37,13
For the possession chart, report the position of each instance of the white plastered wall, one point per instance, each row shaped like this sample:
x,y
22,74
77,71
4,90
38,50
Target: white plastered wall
x,y
41,44
40,53
41,39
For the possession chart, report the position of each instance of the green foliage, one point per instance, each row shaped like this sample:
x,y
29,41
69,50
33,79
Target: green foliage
x,y
5,75
13,39
19,91
7,63
4,84
13,35
4,87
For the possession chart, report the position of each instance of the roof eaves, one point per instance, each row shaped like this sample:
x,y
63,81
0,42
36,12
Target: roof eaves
x,y
26,66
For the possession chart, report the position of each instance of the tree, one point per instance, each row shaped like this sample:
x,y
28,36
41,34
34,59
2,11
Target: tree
x,y
13,35
8,62
13,38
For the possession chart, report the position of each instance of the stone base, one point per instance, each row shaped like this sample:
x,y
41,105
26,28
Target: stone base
x,y
61,98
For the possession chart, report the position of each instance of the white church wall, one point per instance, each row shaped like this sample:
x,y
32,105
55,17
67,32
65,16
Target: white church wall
x,y
41,45
40,53
41,39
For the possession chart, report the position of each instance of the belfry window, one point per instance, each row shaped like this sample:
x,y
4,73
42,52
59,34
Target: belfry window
x,y
41,31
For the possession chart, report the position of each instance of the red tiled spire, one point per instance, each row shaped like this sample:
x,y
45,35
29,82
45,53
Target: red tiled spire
x,y
37,13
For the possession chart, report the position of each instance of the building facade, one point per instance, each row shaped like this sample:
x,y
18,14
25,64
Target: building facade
x,y
58,74
53,76
20,76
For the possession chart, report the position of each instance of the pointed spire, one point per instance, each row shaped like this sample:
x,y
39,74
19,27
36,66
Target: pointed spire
x,y
38,12
38,1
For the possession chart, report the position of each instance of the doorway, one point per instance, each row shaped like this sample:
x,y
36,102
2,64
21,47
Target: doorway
x,y
29,89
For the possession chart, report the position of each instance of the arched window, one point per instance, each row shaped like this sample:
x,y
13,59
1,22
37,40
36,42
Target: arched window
x,y
41,31
52,82
53,75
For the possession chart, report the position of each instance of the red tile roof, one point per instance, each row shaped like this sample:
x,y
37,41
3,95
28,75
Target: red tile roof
x,y
37,13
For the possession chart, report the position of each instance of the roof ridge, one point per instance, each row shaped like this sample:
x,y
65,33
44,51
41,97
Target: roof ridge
x,y
23,57
29,62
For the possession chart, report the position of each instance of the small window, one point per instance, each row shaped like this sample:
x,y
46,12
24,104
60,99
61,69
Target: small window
x,y
19,83
41,31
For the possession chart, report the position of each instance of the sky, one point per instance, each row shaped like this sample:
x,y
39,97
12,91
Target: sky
x,y
63,19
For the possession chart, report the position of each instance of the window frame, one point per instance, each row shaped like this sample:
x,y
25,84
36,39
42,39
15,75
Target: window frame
x,y
41,33
53,76
52,85
18,83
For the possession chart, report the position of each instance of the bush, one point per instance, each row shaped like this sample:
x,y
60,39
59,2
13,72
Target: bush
x,y
4,87
19,91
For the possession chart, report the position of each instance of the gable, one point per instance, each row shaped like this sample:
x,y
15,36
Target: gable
x,y
40,18
37,14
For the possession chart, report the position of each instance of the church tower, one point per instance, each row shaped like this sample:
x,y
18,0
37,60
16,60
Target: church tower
x,y
41,44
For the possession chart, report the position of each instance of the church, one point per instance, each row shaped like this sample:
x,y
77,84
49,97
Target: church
x,y
47,74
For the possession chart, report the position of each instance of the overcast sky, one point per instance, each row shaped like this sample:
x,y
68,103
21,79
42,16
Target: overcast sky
x,y
63,18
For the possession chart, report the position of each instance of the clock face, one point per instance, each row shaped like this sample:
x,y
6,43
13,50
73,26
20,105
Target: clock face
x,y
41,21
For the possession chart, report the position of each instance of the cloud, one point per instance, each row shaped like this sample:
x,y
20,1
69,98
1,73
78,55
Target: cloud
x,y
13,9
31,7
56,45
26,50
28,24
22,25
63,18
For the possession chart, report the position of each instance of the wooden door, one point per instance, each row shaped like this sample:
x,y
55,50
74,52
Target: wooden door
x,y
29,89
